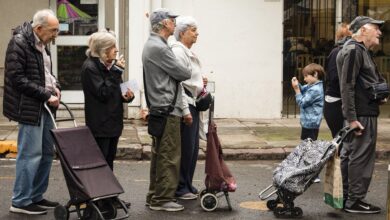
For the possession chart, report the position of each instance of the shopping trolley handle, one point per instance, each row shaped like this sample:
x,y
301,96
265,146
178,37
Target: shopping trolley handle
x,y
343,133
70,118
262,197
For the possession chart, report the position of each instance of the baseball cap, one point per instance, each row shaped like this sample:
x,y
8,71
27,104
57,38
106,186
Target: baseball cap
x,y
160,14
359,21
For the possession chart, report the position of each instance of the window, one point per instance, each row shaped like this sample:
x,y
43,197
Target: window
x,y
70,61
77,17
308,37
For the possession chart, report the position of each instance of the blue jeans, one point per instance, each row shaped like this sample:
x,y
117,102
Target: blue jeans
x,y
33,163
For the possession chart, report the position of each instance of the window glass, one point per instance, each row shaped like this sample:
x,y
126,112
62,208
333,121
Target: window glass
x,y
308,37
77,17
70,61
380,9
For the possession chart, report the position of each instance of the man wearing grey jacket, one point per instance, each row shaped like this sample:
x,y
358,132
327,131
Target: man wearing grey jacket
x,y
357,73
162,73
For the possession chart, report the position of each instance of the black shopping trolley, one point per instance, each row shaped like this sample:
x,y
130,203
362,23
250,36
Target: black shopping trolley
x,y
92,186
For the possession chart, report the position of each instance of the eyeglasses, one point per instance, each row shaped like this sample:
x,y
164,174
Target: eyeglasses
x,y
52,30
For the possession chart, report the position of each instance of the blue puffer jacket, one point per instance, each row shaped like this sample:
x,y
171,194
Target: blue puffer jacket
x,y
311,102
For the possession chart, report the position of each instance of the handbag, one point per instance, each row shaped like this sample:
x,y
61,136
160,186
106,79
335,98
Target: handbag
x,y
378,91
157,120
333,186
203,101
158,117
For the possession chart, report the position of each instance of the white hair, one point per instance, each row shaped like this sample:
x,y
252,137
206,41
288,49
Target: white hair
x,y
99,43
40,17
156,28
359,32
182,25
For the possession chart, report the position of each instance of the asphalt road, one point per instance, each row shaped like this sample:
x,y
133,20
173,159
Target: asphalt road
x,y
251,176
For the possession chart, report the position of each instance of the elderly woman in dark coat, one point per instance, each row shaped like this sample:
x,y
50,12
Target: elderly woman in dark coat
x,y
101,78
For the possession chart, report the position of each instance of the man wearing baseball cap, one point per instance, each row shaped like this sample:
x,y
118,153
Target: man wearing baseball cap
x,y
357,73
162,75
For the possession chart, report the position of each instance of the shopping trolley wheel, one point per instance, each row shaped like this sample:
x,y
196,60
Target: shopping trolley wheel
x,y
297,212
209,202
271,204
61,213
280,212
108,209
90,213
202,193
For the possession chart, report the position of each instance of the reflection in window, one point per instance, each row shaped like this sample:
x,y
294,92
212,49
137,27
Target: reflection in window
x,y
77,17
70,61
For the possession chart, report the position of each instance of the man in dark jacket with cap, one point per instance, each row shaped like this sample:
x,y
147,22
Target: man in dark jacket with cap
x,y
28,84
357,73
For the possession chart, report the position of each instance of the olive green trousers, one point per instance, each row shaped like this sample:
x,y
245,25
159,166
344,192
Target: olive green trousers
x,y
165,164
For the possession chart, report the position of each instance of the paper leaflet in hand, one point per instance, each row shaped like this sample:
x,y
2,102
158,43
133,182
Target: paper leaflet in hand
x,y
131,84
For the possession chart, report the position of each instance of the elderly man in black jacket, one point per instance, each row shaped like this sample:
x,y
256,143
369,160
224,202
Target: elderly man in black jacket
x,y
28,84
358,73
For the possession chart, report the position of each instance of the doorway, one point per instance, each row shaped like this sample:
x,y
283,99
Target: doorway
x,y
308,37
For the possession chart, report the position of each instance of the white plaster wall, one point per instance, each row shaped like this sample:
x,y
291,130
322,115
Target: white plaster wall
x,y
12,14
240,47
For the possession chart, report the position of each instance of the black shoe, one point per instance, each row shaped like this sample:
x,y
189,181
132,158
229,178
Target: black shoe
x,y
31,209
362,207
47,204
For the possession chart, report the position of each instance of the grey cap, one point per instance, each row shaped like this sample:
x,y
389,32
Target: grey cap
x,y
160,14
359,21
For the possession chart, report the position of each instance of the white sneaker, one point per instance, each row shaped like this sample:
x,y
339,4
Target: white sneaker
x,y
317,180
188,196
168,206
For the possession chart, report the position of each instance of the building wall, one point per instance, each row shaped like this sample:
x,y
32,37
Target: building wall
x,y
239,45
12,14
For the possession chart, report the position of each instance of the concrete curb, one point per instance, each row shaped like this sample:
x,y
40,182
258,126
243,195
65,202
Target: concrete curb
x,y
240,139
139,152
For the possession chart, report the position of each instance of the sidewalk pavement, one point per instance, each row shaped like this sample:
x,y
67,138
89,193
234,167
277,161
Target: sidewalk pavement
x,y
241,139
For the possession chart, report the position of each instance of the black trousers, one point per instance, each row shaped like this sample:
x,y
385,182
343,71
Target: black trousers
x,y
309,133
189,154
108,146
358,161
334,116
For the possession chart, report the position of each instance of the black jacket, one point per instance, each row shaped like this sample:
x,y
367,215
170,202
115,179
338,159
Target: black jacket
x,y
24,80
357,72
331,77
103,98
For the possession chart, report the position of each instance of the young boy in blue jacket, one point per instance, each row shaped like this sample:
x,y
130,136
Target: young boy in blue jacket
x,y
310,99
